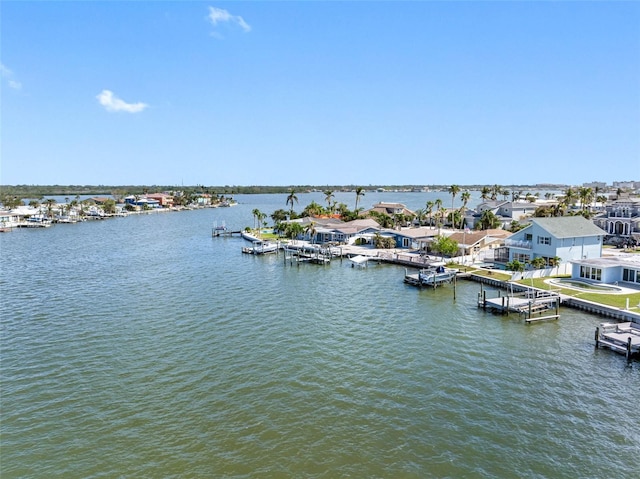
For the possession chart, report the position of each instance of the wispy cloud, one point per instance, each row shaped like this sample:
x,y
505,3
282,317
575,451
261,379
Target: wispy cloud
x,y
218,16
112,103
10,78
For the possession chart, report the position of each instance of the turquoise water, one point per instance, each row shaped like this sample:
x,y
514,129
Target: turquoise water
x,y
143,347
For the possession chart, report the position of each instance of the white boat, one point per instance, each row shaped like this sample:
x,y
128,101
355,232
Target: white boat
x,y
36,221
261,247
258,246
432,276
437,275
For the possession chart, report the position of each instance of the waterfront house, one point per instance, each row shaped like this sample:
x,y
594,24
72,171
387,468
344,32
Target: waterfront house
x,y
332,230
141,202
505,211
565,237
8,220
621,219
391,209
472,242
608,269
412,238
164,200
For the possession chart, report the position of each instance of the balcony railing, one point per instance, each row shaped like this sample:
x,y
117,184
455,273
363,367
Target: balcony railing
x,y
517,244
620,215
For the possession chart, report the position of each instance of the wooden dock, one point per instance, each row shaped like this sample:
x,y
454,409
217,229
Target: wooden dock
x,y
622,338
307,254
528,305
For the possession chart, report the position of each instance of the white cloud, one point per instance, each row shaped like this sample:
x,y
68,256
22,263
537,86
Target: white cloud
x,y
112,103
8,76
218,15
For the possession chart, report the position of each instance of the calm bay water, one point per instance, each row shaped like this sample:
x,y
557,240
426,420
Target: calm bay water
x,y
142,347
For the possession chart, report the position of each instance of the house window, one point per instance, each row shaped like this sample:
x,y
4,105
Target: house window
x,y
596,273
406,242
591,273
523,258
544,240
528,237
628,275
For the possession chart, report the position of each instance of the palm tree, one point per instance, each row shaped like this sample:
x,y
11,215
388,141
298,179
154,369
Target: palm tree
x,y
50,202
429,210
484,193
586,196
290,200
359,193
454,190
495,191
465,197
256,218
488,220
310,230
328,196
438,204
419,216
293,230
569,197
313,209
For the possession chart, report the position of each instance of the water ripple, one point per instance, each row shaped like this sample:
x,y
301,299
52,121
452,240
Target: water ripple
x,y
129,353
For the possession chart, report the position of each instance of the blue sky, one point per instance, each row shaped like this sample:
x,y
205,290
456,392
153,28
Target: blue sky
x,y
321,93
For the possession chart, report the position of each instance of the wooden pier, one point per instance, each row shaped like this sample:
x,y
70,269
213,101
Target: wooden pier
x,y
527,305
622,338
307,254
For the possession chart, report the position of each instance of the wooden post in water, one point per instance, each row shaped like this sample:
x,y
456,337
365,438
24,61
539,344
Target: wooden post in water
x,y
454,288
484,300
629,347
597,338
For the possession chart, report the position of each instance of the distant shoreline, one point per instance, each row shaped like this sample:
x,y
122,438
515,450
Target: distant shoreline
x,y
31,191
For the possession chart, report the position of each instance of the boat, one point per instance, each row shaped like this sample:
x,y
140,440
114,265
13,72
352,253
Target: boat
x,y
261,247
36,221
432,276
258,246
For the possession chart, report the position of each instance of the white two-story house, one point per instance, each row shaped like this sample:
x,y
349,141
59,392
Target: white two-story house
x,y
565,237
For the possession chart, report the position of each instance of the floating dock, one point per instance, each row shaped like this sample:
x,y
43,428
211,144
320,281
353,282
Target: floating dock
x,y
622,338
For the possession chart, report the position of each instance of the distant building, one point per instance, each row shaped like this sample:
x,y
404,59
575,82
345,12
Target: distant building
x,y
391,209
163,199
601,185
505,211
621,218
630,185
141,201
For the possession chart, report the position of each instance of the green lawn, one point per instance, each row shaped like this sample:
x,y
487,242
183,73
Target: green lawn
x,y
615,300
